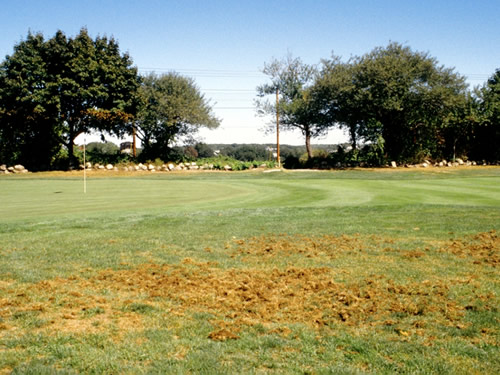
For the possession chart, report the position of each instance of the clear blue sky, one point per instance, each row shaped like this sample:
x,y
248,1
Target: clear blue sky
x,y
224,44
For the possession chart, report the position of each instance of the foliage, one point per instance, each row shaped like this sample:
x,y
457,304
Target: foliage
x,y
293,80
172,107
220,162
103,153
204,150
52,91
246,152
28,133
488,133
393,92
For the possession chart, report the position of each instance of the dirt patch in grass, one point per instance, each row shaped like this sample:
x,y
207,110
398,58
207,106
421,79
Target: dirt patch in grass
x,y
283,245
483,248
123,300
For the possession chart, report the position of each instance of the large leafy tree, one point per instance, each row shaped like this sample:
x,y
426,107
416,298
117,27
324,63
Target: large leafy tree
x,y
487,134
396,95
337,98
172,107
293,80
52,91
29,132
406,97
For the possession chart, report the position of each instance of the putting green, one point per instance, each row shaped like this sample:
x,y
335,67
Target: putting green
x,y
36,198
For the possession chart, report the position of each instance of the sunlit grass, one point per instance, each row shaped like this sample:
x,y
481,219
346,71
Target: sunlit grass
x,y
130,277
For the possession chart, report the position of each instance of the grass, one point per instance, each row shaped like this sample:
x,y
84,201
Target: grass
x,y
343,272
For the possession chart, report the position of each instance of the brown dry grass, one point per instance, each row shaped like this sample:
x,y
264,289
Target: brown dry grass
x,y
237,298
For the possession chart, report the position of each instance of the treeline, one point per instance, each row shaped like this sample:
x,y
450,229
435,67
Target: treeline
x,y
395,103
52,91
109,152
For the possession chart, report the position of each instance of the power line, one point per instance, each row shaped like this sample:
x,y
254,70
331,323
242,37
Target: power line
x,y
215,73
215,107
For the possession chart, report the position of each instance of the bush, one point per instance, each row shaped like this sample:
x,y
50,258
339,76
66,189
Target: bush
x,y
219,162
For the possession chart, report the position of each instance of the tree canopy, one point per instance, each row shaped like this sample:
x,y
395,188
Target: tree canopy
x,y
292,79
392,95
394,102
53,90
172,106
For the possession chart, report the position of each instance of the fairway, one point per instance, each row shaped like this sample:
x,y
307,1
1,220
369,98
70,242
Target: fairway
x,y
355,271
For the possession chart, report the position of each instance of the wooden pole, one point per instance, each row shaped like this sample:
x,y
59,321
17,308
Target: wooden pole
x,y
278,128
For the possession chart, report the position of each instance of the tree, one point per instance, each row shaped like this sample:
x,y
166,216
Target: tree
x,y
394,96
337,98
487,134
406,97
204,150
172,107
29,133
461,128
64,87
293,80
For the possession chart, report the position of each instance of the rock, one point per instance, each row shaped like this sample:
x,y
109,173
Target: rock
x,y
393,164
3,167
151,167
178,168
468,163
227,168
474,163
109,167
263,166
18,167
88,165
460,161
425,165
444,162
194,167
171,166
11,169
440,164
449,164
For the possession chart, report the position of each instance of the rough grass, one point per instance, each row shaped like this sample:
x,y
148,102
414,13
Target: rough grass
x,y
338,272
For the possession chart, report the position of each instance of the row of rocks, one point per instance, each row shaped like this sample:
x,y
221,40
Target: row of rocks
x,y
170,167
442,163
18,168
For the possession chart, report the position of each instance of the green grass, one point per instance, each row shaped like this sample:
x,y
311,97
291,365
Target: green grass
x,y
400,226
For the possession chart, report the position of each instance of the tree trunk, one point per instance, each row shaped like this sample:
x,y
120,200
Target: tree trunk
x,y
352,131
73,163
308,144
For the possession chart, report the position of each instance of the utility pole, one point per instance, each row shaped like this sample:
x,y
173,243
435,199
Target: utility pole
x,y
278,127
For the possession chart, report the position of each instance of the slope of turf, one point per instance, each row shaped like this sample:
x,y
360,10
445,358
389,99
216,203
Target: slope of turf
x,y
216,272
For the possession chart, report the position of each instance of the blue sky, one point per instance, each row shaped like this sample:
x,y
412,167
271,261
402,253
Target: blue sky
x,y
223,45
